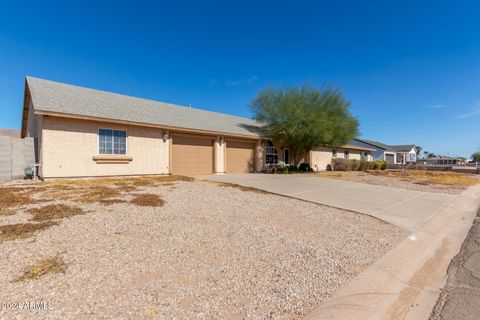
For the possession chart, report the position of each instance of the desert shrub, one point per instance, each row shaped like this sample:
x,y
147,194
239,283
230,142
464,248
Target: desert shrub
x,y
377,164
340,164
363,165
288,169
281,170
370,165
293,169
384,165
304,167
354,164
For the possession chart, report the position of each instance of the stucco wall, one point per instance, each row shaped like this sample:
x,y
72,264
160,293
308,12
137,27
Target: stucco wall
x,y
15,155
68,147
320,157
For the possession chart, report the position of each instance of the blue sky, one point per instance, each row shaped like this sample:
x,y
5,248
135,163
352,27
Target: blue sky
x,y
410,68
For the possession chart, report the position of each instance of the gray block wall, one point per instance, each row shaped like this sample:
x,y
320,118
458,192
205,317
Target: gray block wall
x,y
15,155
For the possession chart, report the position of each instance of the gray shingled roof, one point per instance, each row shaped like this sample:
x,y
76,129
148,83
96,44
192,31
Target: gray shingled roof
x,y
62,98
398,148
403,147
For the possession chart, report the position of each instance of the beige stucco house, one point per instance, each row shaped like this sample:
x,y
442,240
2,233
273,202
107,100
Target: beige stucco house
x,y
81,132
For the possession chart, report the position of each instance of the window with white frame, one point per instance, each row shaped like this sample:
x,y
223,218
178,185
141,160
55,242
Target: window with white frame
x,y
400,158
112,141
346,154
363,155
334,153
271,154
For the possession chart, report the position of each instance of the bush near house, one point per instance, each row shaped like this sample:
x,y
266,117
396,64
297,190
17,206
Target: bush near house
x,y
305,167
363,165
340,165
385,165
358,165
370,165
354,164
302,168
377,165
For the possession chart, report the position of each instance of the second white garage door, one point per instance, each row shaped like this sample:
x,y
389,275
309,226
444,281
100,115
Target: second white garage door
x,y
192,155
240,156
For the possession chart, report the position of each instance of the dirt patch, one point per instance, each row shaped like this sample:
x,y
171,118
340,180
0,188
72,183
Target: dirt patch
x,y
54,212
147,200
98,194
6,212
46,266
433,177
441,182
151,180
11,197
22,230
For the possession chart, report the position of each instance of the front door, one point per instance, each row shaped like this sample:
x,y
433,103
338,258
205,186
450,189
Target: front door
x,y
286,156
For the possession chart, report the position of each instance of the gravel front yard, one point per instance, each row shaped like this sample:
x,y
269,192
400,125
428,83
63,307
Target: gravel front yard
x,y
202,251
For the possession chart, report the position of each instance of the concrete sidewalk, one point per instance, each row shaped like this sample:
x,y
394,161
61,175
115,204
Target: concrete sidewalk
x,y
404,208
406,282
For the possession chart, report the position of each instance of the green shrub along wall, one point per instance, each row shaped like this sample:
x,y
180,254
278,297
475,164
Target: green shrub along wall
x,y
358,165
302,168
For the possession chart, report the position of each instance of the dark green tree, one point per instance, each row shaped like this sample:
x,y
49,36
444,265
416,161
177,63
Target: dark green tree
x,y
419,150
476,156
304,117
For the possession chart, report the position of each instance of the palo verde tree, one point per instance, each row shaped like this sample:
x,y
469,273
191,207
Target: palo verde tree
x,y
304,117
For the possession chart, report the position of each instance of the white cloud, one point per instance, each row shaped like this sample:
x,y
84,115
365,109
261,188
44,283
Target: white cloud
x,y
234,83
437,106
470,114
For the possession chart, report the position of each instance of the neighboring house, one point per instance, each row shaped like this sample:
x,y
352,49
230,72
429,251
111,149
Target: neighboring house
x,y
81,132
443,161
394,154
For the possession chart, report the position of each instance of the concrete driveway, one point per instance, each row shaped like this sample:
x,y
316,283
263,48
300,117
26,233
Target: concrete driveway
x,y
407,209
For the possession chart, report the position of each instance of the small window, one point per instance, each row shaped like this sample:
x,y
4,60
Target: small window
x,y
334,153
271,154
363,155
400,158
112,141
346,154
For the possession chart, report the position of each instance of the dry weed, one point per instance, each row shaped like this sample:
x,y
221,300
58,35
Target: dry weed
x,y
148,200
239,187
54,212
433,177
50,265
22,230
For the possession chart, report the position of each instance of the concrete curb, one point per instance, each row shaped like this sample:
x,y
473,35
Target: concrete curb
x,y
406,282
